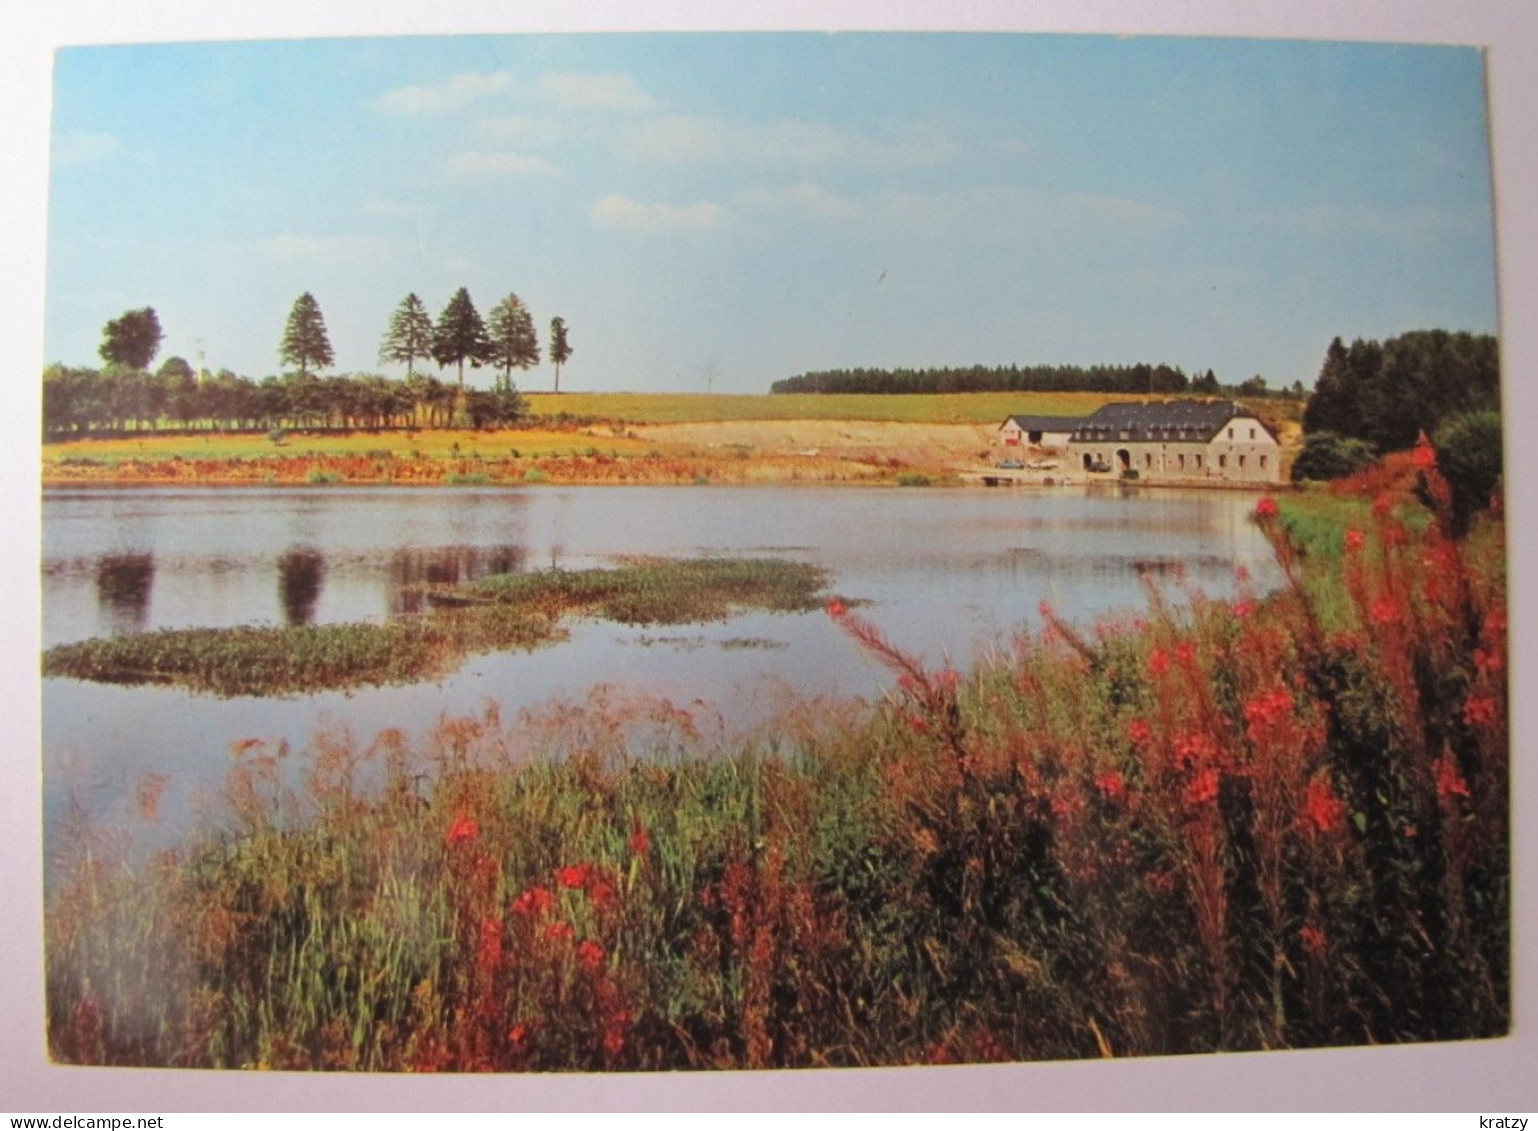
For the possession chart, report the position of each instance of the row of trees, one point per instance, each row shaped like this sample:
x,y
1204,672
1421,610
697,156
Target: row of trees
x,y
1132,380
81,401
506,339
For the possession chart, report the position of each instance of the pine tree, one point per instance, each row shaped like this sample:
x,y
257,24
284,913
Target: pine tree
x,y
560,348
133,340
304,339
460,335
410,335
513,341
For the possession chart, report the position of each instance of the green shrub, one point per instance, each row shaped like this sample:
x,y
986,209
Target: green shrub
x,y
1326,455
1468,448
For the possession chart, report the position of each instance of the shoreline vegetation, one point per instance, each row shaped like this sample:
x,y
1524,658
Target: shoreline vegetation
x,y
503,612
689,439
1268,822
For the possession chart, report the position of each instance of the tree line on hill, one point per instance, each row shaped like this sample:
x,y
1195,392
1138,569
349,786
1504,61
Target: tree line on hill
x,y
126,394
1131,380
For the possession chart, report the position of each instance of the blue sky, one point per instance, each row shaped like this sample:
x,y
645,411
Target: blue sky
x,y
741,208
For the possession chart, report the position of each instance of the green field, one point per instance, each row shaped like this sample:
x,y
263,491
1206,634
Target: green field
x,y
918,408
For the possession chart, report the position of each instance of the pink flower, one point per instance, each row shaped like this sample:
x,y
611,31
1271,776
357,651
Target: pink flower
x,y
1481,711
574,875
1355,541
1158,662
1139,732
836,609
1266,508
1385,611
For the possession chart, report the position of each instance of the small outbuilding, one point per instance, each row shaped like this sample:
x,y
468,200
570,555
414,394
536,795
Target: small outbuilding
x,y
1048,432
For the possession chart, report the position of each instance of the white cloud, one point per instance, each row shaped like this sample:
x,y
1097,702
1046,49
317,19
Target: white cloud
x,y
1006,212
478,165
680,138
805,199
330,250
621,214
453,93
86,149
506,127
595,90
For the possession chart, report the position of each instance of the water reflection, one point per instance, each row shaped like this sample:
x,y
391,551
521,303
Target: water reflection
x,y
412,571
123,586
301,572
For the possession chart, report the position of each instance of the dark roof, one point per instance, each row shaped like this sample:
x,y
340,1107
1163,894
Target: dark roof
x,y
1045,423
1161,420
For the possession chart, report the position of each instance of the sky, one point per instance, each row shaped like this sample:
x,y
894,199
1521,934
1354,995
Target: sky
x,y
722,211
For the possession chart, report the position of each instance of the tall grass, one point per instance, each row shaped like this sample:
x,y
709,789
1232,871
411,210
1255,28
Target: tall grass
x,y
1257,823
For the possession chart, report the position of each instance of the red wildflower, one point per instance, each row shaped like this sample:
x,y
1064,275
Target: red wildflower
x,y
534,902
1045,610
836,609
614,1033
1425,455
1490,661
1321,808
518,1036
489,953
1382,506
1158,662
574,875
1385,611
601,892
590,955
1241,573
918,724
1262,712
1355,541
1139,732
947,679
1185,654
1266,508
558,930
1203,788
1112,784
1312,938
1450,782
1481,711
1194,750
463,830
640,842
1243,607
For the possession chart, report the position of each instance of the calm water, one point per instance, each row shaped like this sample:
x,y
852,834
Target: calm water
x,y
950,574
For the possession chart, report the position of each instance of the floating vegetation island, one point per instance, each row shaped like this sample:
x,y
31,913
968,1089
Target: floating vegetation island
x,y
503,612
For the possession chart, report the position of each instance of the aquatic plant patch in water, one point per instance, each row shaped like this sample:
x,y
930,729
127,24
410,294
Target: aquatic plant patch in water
x,y
507,611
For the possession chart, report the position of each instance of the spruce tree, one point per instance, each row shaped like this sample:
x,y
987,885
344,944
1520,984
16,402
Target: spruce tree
x,y
514,344
410,335
560,348
305,343
460,335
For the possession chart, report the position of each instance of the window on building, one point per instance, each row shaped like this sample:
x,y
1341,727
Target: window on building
x,y
1262,461
1241,461
1181,461
1222,461
1147,459
1252,433
1198,461
1230,433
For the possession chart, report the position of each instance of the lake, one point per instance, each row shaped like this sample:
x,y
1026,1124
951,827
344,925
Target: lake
x,y
950,574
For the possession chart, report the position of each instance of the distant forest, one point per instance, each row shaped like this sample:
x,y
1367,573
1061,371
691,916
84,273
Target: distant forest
x,y
1129,379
